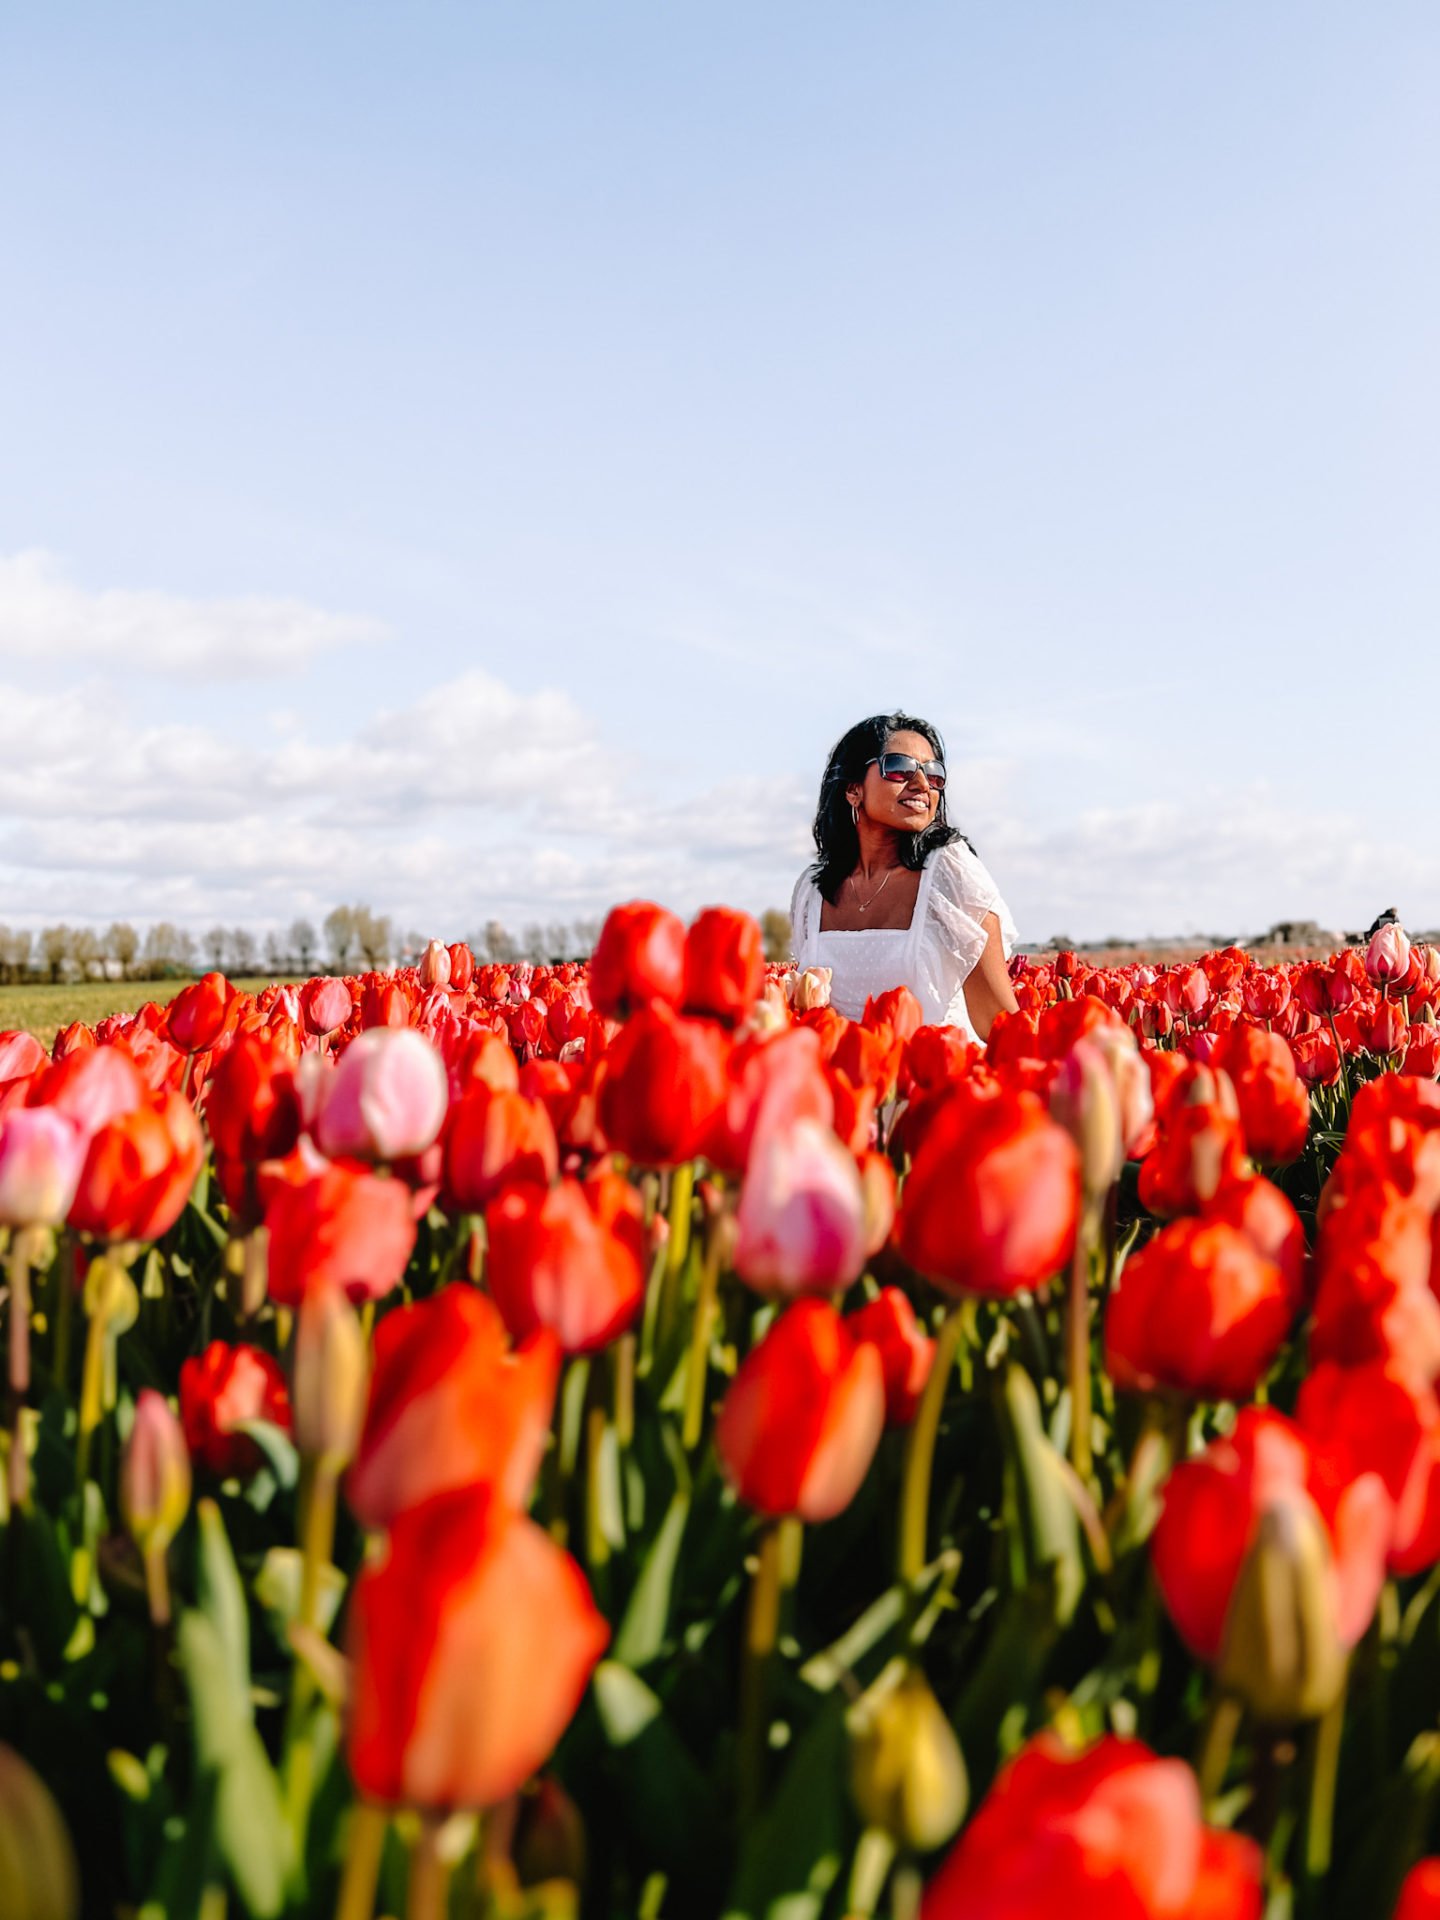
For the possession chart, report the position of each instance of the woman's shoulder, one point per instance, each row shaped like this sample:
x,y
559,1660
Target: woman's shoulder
x,y
961,876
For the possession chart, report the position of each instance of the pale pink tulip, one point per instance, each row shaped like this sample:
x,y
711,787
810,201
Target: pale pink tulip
x,y
1388,955
435,966
20,1054
801,1225
41,1154
386,1098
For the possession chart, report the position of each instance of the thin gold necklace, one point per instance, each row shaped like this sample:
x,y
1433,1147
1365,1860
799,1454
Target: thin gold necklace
x,y
877,893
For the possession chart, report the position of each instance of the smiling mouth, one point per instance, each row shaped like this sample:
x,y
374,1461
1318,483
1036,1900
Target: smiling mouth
x,y
917,803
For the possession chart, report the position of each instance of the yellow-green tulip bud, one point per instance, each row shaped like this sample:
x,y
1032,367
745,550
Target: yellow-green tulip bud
x,y
907,1774
1282,1654
39,1879
330,1379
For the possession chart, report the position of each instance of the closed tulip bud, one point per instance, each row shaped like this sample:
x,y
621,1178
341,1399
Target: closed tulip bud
x,y
639,959
1282,1653
155,1490
724,964
809,989
801,1217
906,1351
907,1774
330,1378
198,1013
1082,1099
462,967
1387,957
325,1005
41,1154
435,966
550,1836
39,1877
386,1098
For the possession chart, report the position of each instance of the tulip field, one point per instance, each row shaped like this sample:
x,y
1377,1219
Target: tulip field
x,y
620,1439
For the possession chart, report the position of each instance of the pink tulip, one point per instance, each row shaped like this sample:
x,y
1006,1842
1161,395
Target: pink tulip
x,y
326,1005
1388,955
41,1154
801,1220
385,1099
435,966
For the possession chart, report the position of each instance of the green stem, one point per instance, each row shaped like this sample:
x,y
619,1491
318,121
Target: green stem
x,y
762,1626
1077,1342
677,1248
429,1886
64,1309
1324,1772
365,1844
92,1385
920,1450
19,1372
597,1547
698,1368
622,1363
1221,1726
318,1485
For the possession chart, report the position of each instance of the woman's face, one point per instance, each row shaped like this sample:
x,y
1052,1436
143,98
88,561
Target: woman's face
x,y
907,808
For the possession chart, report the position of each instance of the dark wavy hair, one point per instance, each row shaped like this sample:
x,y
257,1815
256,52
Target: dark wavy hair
x,y
836,838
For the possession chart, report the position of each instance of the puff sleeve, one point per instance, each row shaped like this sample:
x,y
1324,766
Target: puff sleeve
x,y
954,935
804,918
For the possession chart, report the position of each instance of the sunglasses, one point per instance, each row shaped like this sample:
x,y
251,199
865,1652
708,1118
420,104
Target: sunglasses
x,y
900,766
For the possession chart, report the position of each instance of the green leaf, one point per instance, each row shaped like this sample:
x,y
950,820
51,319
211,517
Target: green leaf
x,y
792,1856
278,1449
44,1604
663,1797
1043,1517
222,1598
277,1588
643,1630
843,1657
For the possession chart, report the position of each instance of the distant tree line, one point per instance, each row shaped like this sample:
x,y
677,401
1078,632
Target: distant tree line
x,y
351,940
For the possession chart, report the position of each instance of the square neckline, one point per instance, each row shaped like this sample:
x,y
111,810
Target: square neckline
x,y
917,912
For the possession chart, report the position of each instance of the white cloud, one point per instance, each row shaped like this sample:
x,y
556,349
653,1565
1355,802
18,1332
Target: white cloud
x,y
46,617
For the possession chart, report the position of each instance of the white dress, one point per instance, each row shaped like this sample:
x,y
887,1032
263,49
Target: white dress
x,y
934,956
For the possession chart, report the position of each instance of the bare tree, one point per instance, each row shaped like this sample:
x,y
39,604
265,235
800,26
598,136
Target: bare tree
x,y
775,932
55,949
374,936
498,943
410,948
122,943
583,935
15,944
242,951
532,943
168,950
275,956
557,941
340,935
215,943
301,938
86,952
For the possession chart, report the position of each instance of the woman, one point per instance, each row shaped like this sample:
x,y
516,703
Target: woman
x,y
898,897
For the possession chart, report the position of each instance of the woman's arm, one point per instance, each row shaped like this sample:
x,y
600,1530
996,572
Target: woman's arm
x,y
987,989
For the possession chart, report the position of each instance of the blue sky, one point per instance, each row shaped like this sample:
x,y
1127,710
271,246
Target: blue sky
x,y
477,458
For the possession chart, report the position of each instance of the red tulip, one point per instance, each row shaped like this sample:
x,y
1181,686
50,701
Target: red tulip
x,y
495,1139
325,1005
724,964
889,1325
803,1416
1110,1834
1420,1895
252,1109
639,960
663,1084
472,1640
198,1013
451,1406
1198,1311
570,1258
1262,1213
1378,1419
1199,1151
1265,993
462,967
341,1226
220,1390
139,1171
1210,1512
383,1004
1385,1029
992,1200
